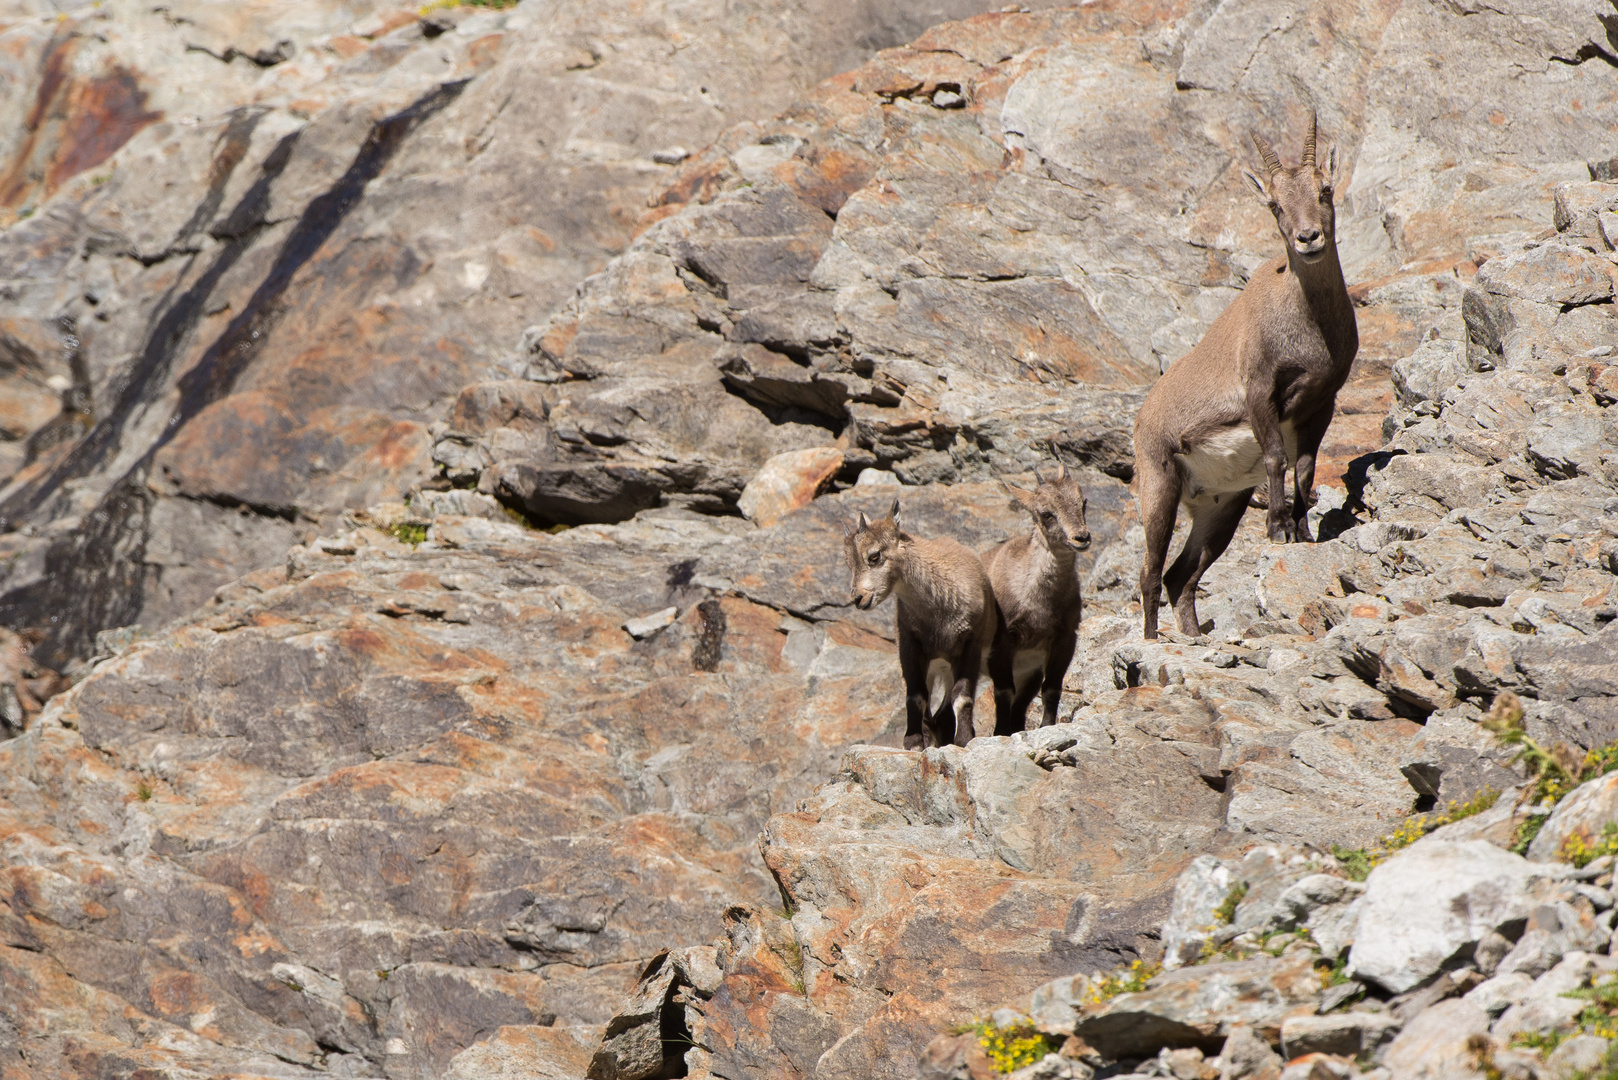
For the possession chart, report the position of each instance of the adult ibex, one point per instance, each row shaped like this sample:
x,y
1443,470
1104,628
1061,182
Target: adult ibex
x,y
945,613
1036,588
1254,396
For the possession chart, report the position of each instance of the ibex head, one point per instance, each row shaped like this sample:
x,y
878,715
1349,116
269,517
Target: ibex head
x,y
1057,505
1301,197
871,547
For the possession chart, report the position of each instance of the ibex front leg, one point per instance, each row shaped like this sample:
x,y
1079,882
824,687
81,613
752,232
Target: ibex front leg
x,y
1265,418
1062,649
956,712
1303,474
913,666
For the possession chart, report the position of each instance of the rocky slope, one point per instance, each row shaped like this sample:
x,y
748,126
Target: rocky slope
x,y
395,809
255,249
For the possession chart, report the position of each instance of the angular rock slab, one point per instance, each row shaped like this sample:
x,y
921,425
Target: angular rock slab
x,y
1199,1006
1422,909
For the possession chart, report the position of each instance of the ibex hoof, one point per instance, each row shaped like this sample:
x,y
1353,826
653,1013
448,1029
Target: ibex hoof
x,y
915,742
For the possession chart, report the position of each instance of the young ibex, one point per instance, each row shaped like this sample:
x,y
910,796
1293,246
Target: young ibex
x,y
1036,588
1254,396
945,613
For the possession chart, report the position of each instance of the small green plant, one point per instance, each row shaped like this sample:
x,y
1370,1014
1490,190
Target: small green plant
x,y
1226,911
1556,771
1013,1047
408,532
1332,972
1130,980
1581,851
1600,1017
1526,831
1356,862
143,791
1542,1042
439,5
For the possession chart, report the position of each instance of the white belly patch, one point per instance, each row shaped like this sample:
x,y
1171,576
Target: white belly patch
x,y
1231,460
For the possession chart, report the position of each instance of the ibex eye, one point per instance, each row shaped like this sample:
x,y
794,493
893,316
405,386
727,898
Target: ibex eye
x,y
874,558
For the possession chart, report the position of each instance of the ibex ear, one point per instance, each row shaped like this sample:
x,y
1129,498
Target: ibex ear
x,y
1258,185
1024,498
893,512
1331,166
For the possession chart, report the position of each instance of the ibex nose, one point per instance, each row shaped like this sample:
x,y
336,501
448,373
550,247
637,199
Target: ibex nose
x,y
1308,236
1081,541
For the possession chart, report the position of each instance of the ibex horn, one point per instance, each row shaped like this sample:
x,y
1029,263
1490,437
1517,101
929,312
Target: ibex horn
x,y
1309,143
1267,152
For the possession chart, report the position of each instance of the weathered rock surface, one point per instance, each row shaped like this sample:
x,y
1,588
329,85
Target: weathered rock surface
x,y
415,811
255,250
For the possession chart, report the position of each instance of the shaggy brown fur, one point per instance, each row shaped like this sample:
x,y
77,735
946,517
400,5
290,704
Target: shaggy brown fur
x,y
1036,588
945,612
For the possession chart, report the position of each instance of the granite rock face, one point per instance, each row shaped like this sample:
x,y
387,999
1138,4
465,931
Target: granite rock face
x,y
437,790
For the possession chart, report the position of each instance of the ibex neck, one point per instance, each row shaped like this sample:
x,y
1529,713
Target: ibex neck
x,y
1326,293
1322,282
1052,564
922,584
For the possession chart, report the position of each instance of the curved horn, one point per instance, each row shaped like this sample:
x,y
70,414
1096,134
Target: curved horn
x,y
1309,143
1267,152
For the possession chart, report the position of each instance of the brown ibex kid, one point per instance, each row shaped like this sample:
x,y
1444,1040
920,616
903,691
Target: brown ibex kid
x,y
1036,588
945,612
1255,396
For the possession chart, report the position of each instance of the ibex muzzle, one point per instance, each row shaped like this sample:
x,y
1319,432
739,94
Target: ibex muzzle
x,y
1253,398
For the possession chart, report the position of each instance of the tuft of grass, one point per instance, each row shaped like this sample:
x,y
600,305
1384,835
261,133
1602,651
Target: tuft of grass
x,y
1556,771
1357,863
1599,1018
1130,980
408,533
1226,911
440,5
1013,1047
143,791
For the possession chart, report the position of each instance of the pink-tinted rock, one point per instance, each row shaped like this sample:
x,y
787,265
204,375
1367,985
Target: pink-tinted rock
x,y
788,481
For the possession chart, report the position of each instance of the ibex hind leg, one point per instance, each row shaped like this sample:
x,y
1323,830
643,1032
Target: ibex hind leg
x,y
955,717
1159,503
1213,524
1002,671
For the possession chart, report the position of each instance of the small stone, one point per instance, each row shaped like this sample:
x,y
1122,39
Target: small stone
x,y
877,478
1582,1055
786,482
948,99
672,155
647,625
